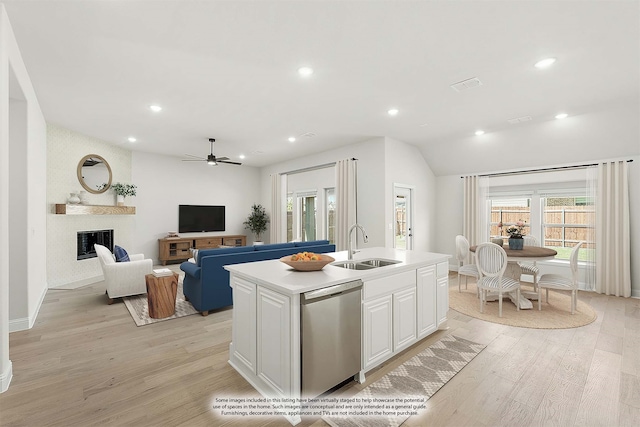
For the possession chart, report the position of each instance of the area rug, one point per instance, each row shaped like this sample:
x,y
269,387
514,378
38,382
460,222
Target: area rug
x,y
410,384
139,308
554,315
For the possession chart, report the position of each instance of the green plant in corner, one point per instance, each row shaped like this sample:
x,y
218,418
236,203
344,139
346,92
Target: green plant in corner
x,y
257,221
124,189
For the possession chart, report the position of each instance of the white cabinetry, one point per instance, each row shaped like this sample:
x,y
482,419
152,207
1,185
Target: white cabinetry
x,y
426,291
443,294
378,335
389,316
243,344
274,340
404,318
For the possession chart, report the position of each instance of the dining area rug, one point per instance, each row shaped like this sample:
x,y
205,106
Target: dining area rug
x,y
554,315
138,307
416,380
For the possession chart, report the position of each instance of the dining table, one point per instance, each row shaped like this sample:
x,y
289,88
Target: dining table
x,y
526,254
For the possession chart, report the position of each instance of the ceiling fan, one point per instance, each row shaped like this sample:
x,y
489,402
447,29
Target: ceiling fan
x,y
211,159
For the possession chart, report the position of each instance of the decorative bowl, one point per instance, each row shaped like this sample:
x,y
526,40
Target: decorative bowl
x,y
307,265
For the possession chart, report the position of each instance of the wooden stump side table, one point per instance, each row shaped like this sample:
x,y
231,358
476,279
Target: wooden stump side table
x,y
161,295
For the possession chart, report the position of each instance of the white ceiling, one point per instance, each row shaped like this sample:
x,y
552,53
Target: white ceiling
x,y
227,70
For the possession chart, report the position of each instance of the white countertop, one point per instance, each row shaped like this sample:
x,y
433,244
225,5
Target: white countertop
x,y
284,279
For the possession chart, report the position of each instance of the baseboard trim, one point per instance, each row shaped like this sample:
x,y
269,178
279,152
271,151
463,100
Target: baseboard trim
x,y
24,323
5,378
78,283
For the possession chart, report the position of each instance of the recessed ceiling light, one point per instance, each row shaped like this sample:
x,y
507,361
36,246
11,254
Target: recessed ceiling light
x,y
479,132
292,139
155,108
562,116
131,139
423,125
547,62
241,156
305,71
393,112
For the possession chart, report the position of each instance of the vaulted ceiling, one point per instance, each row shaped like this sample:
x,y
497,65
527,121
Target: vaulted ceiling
x,y
228,70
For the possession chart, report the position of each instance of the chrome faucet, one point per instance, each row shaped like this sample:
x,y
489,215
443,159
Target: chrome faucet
x,y
365,239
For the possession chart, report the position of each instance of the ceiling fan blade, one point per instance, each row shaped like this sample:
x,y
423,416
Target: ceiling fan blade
x,y
194,160
222,158
230,163
197,157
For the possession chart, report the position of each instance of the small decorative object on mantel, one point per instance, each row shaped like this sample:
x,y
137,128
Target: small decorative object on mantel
x,y
73,199
257,222
123,190
83,197
516,242
172,235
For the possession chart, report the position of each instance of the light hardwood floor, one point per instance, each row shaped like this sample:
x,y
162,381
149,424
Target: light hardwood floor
x,y
86,363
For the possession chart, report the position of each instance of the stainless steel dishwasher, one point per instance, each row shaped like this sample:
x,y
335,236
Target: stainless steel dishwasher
x,y
330,335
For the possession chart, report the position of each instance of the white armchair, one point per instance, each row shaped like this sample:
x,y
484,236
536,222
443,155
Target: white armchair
x,y
123,278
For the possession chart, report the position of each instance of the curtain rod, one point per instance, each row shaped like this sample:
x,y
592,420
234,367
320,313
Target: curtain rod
x,y
312,168
541,170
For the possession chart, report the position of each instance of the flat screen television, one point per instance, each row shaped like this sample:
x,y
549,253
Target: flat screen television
x,y
194,218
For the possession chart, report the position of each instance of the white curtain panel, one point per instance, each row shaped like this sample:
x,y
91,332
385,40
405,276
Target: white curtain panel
x,y
346,200
613,260
275,223
475,219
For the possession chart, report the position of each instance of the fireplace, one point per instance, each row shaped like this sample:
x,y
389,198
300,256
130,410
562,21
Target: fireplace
x,y
86,240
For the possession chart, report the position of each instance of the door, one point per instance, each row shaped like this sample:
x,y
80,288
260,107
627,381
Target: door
x,y
402,217
426,280
378,332
404,318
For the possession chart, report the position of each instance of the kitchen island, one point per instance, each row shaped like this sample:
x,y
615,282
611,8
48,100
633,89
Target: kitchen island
x,y
402,303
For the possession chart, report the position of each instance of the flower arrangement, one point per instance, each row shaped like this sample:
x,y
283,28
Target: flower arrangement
x,y
124,189
516,231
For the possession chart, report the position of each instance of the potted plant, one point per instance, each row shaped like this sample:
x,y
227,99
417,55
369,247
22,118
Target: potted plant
x,y
257,222
123,190
515,233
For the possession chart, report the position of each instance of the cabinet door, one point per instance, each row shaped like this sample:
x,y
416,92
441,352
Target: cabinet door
x,y
404,318
426,289
378,333
274,340
443,299
244,323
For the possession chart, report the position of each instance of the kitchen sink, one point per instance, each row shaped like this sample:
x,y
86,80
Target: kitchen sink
x,y
353,265
365,264
377,262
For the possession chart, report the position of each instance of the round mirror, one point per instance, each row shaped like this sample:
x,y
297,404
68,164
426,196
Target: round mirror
x,y
94,174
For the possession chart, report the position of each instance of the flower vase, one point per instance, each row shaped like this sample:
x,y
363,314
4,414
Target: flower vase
x,y
516,243
119,200
73,199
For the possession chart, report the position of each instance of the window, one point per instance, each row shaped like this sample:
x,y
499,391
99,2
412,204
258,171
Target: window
x,y
330,217
509,210
567,221
307,223
289,217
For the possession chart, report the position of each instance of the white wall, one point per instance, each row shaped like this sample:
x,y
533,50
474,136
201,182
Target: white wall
x,y
65,149
164,182
450,205
404,164
22,133
371,182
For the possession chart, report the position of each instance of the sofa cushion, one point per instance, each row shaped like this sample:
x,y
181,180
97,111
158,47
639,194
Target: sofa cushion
x,y
312,243
120,254
274,246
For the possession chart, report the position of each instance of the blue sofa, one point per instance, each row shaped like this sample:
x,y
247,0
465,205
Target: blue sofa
x,y
206,282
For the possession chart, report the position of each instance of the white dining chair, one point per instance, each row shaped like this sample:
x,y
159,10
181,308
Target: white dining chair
x,y
530,267
492,263
462,251
562,283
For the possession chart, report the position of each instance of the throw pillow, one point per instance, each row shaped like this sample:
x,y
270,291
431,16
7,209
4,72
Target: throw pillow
x,y
121,254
